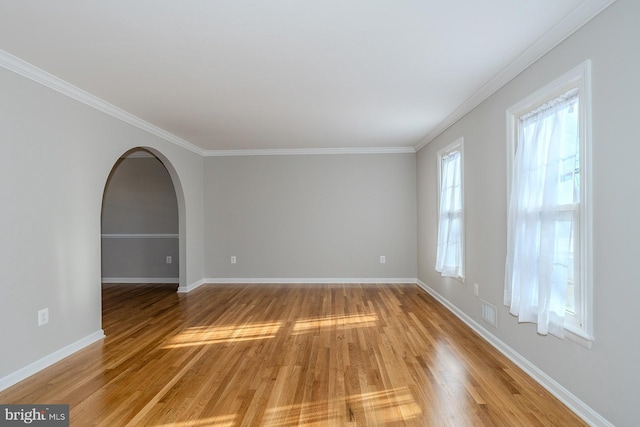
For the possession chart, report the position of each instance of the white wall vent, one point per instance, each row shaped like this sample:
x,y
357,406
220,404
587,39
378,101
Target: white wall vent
x,y
490,314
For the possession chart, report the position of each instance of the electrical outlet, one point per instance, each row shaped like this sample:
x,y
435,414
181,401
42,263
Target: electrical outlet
x,y
43,316
169,260
383,259
476,289
234,260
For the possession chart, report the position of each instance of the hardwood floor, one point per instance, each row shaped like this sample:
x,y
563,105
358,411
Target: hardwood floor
x,y
288,355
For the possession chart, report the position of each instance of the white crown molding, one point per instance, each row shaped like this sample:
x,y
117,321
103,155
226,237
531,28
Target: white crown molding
x,y
561,31
580,16
38,75
580,408
56,356
310,151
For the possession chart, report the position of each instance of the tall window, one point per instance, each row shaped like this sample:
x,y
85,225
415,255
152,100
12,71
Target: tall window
x,y
450,250
546,275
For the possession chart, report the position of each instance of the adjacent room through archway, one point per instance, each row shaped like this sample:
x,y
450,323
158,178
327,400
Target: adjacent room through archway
x,y
140,222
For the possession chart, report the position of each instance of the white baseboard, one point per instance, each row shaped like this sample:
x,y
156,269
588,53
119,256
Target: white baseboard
x,y
574,403
565,396
140,280
290,280
189,288
235,280
56,356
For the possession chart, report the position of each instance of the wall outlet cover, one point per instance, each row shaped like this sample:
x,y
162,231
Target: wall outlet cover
x,y
43,316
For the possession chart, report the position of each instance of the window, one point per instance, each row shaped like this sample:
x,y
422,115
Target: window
x,y
450,250
547,277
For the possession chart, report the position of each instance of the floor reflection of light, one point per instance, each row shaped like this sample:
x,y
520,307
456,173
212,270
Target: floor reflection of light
x,y
207,335
385,406
341,322
308,414
220,421
389,405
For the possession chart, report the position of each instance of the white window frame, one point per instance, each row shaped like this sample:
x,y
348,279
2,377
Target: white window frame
x,y
578,327
457,145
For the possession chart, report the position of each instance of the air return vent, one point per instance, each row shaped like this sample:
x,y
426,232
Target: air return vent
x,y
489,314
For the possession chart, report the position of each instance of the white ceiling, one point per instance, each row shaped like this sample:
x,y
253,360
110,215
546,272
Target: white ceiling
x,y
289,74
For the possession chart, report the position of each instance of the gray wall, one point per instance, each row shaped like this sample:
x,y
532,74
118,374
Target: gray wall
x,y
317,216
139,199
606,377
55,157
326,216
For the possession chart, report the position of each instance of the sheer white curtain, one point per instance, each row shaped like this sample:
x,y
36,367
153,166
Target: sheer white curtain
x,y
542,217
449,250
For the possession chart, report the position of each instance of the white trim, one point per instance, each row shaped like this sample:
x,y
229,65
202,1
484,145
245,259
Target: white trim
x,y
139,236
310,151
38,75
457,145
189,288
574,403
287,281
580,408
139,154
574,334
45,362
570,24
140,280
580,330
308,280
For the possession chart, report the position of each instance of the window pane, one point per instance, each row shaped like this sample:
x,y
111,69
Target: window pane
x,y
557,122
449,249
544,201
547,272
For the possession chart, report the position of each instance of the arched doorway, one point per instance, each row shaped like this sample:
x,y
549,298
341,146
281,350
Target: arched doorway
x,y
142,221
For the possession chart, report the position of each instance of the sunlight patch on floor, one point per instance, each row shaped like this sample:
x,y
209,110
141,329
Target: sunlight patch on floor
x,y
219,421
340,322
374,408
207,335
389,405
308,414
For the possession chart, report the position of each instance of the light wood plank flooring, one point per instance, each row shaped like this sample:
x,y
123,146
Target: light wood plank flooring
x,y
288,355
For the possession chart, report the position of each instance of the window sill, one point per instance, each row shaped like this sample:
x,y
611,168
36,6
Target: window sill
x,y
456,278
578,336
